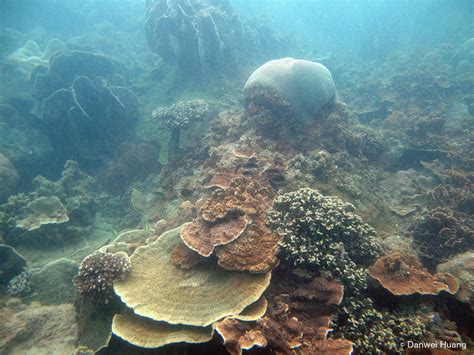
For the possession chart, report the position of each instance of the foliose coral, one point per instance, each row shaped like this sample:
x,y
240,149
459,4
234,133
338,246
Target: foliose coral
x,y
56,211
440,234
323,233
97,273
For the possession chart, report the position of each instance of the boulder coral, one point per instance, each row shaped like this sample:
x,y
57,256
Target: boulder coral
x,y
299,88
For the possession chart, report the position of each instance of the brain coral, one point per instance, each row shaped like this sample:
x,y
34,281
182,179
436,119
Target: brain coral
x,y
303,85
159,290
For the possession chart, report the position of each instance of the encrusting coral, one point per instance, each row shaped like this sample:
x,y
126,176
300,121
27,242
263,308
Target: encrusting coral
x,y
97,274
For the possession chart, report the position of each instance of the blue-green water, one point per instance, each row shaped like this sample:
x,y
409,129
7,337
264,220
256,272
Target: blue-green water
x,y
216,176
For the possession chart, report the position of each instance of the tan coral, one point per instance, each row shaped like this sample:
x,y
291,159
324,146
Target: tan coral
x,y
43,210
253,312
203,237
321,289
148,333
157,289
184,257
244,194
239,336
255,251
405,275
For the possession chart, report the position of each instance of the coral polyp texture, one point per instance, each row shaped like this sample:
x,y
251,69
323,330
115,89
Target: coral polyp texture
x,y
323,233
300,87
180,116
405,275
97,274
159,290
442,233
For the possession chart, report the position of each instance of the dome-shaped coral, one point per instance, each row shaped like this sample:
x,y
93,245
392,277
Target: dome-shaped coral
x,y
303,86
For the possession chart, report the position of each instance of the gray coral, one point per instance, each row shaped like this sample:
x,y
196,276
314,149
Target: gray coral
x,y
323,233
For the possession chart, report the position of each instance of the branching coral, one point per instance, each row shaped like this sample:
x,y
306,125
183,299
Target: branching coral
x,y
323,233
97,273
179,116
376,331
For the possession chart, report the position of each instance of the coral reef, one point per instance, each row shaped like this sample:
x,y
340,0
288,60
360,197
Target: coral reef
x,y
303,87
11,263
20,285
89,118
323,233
196,297
8,178
178,117
205,37
97,274
54,212
37,328
440,234
461,266
148,333
403,274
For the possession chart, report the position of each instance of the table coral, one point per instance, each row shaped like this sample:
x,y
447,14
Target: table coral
x,y
178,117
159,290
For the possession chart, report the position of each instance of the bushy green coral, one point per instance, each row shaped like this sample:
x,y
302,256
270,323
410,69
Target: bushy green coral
x,y
323,233
377,332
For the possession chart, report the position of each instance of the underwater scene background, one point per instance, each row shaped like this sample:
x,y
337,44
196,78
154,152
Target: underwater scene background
x,y
236,176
